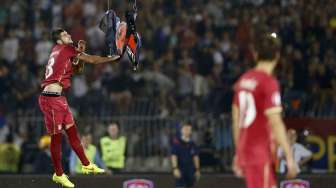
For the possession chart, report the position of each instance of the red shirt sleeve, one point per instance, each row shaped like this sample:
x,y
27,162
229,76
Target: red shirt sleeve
x,y
272,98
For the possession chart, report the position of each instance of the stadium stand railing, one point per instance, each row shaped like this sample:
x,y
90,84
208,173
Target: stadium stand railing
x,y
149,137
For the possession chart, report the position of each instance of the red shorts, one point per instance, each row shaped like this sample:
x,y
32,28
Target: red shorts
x,y
260,176
56,113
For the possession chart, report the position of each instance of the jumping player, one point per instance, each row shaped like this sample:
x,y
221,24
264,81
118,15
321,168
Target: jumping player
x,y
257,121
57,115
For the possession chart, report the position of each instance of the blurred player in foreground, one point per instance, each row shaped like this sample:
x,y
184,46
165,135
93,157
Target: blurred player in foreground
x,y
64,60
257,121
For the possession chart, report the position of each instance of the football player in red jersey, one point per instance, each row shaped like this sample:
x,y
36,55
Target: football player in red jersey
x,y
257,121
63,62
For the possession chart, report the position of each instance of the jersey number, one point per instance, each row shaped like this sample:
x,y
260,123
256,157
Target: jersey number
x,y
50,65
247,109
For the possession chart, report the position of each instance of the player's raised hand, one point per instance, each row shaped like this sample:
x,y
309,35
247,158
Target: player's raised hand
x,y
78,67
291,168
81,46
114,57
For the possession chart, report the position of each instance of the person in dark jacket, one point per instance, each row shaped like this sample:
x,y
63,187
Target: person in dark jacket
x,y
42,162
185,160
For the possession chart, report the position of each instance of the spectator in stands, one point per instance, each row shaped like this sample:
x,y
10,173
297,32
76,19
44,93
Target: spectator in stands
x,y
301,154
4,128
330,105
4,83
79,91
24,86
117,85
43,163
43,49
162,86
205,41
29,149
95,37
185,85
184,158
113,147
9,155
10,48
90,151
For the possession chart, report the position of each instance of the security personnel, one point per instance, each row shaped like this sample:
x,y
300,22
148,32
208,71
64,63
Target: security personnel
x,y
185,160
9,156
90,151
113,149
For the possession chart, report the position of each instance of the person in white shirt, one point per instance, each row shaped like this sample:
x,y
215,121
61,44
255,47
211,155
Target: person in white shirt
x,y
301,154
10,48
43,49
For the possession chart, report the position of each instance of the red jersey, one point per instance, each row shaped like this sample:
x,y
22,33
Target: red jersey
x,y
256,94
59,67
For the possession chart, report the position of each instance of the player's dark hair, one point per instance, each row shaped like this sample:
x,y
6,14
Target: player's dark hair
x,y
186,123
115,123
55,34
267,46
86,132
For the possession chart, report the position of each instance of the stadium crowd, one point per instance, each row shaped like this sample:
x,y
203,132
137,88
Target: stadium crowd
x,y
193,51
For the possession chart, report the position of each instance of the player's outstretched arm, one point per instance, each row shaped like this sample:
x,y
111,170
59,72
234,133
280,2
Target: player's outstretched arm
x,y
279,132
95,59
235,126
235,129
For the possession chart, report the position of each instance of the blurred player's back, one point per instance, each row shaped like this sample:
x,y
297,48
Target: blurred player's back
x,y
256,94
256,115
